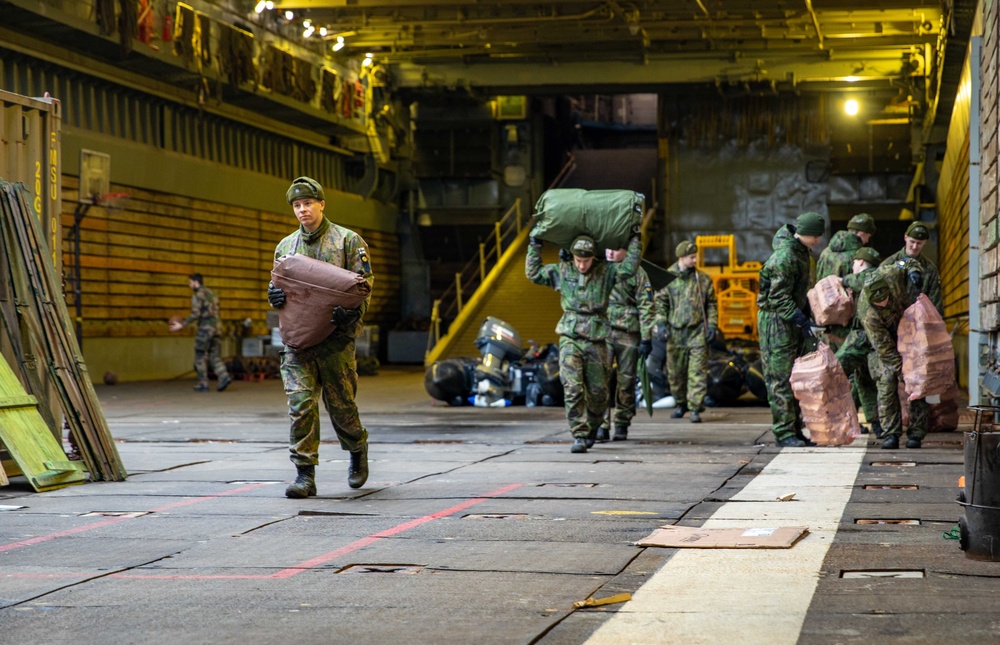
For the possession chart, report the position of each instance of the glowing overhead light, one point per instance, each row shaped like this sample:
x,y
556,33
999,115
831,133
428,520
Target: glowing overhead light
x,y
307,23
851,107
339,44
322,31
852,79
289,15
260,6
308,32
269,5
367,61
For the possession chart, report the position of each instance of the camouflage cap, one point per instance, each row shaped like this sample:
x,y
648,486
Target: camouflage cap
x,y
878,289
811,224
686,248
583,246
869,255
862,222
918,231
304,187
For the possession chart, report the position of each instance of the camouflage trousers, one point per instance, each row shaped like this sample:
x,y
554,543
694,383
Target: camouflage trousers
x,y
623,354
889,406
328,370
583,370
853,357
780,344
207,347
687,366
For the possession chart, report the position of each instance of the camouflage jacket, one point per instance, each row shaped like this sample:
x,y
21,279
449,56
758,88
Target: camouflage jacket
x,y
688,301
932,279
583,296
784,278
204,311
630,307
856,283
881,323
838,257
336,245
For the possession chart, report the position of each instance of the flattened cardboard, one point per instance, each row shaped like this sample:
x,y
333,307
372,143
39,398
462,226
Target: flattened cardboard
x,y
765,537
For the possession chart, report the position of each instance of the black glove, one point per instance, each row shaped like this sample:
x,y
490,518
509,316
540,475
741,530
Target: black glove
x,y
344,318
275,296
645,348
664,333
711,334
802,321
535,241
565,255
915,278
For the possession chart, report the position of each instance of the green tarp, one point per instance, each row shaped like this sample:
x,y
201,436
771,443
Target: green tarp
x,y
561,214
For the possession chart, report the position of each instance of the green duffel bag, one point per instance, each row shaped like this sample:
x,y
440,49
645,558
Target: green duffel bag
x,y
561,214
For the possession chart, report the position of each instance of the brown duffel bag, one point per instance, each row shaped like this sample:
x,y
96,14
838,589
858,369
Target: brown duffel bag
x,y
312,289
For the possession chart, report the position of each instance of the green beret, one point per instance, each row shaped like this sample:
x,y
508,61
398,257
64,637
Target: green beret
x,y
303,188
862,222
811,224
583,246
686,248
869,255
918,231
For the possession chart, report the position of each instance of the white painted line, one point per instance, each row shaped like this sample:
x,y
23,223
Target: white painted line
x,y
747,595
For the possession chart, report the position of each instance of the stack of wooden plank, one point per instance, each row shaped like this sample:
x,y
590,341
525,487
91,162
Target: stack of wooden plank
x,y
39,329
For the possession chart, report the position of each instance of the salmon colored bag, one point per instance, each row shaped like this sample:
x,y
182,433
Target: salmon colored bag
x,y
312,289
830,302
824,395
925,347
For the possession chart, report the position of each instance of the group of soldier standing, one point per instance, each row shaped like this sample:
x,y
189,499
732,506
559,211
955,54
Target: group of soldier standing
x,y
611,316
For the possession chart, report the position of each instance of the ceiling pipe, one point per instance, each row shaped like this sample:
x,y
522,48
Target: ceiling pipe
x,y
815,19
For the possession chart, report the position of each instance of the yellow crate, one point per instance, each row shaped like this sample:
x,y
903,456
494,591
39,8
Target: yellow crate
x,y
738,313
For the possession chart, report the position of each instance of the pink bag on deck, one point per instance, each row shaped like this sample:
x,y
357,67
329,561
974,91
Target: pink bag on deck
x,y
830,302
925,346
824,395
312,289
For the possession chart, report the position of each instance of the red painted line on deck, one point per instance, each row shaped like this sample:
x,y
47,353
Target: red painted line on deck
x,y
344,550
114,520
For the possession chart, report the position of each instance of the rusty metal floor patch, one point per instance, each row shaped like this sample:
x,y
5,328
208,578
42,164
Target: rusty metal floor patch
x,y
891,487
884,573
568,485
898,464
408,569
879,520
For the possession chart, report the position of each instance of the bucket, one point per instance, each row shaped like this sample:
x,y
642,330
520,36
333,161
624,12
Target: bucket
x,y
979,530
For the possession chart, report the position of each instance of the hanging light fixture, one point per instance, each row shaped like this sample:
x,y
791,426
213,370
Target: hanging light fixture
x,y
260,6
851,107
337,46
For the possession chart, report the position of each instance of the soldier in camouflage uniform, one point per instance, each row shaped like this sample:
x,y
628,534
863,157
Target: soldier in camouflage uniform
x,y
783,323
207,346
630,316
838,259
914,239
885,297
584,287
686,308
855,351
329,369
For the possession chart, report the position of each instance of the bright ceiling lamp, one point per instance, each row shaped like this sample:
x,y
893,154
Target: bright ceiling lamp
x,y
337,46
851,107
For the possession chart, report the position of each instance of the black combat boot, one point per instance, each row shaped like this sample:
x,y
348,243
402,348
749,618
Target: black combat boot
x,y
695,416
591,438
791,441
357,473
621,433
877,429
602,435
913,442
679,412
304,484
579,445
891,442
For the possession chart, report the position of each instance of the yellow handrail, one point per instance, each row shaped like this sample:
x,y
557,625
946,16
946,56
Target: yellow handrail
x,y
447,307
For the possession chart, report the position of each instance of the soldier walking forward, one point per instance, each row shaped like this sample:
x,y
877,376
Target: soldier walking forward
x,y
584,287
207,346
329,369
